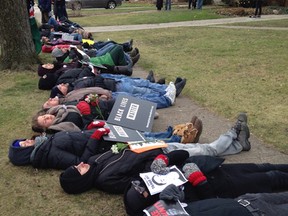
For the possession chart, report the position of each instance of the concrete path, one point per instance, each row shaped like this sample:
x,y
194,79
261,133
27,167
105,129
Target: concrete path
x,y
185,108
209,23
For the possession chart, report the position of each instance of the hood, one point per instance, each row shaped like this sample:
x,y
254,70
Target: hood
x,y
19,156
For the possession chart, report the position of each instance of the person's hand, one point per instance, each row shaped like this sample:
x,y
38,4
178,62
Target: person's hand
x,y
95,124
159,165
172,193
99,133
84,108
193,174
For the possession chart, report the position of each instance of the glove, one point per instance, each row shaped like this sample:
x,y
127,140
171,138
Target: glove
x,y
99,133
84,108
95,124
193,174
171,192
159,165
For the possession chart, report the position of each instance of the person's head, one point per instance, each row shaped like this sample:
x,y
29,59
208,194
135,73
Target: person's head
x,y
41,121
20,151
45,39
59,51
46,68
77,179
51,102
60,89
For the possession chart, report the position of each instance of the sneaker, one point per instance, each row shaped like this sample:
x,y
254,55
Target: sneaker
x,y
156,115
180,86
150,76
244,136
171,92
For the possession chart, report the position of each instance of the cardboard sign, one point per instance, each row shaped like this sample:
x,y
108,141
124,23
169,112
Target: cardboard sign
x,y
133,113
143,146
122,134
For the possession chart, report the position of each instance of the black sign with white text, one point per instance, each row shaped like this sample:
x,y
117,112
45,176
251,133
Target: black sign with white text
x,y
133,113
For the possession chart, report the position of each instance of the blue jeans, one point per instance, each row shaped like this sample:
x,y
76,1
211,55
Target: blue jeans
x,y
168,5
140,88
165,136
199,4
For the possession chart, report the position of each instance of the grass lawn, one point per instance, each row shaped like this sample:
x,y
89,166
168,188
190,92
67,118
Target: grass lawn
x,y
228,71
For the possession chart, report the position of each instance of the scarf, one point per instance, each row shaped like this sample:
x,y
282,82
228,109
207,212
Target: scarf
x,y
39,140
60,112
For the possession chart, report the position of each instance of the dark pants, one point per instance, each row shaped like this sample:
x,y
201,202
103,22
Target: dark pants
x,y
192,3
258,8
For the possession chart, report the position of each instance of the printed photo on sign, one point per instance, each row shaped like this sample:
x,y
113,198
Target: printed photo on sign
x,y
162,208
133,113
157,183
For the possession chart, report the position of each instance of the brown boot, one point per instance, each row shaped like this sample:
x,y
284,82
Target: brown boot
x,y
197,123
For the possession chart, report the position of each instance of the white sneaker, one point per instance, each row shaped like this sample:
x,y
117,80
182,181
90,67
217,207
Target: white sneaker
x,y
171,92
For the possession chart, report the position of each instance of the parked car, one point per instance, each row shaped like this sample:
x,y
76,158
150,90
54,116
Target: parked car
x,y
78,4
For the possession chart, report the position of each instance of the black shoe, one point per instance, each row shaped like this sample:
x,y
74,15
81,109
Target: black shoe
x,y
180,86
244,136
178,79
134,52
135,59
161,81
150,76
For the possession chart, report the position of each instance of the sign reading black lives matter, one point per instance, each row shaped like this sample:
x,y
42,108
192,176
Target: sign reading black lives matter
x,y
130,117
133,113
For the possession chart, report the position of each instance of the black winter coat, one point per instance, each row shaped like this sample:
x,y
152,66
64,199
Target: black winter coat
x,y
65,149
115,171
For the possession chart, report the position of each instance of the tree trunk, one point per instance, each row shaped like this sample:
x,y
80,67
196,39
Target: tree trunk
x,y
17,50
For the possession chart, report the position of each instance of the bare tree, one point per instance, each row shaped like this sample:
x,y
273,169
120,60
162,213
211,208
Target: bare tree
x,y
17,50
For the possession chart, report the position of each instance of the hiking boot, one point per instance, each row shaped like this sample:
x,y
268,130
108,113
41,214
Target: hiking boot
x,y
197,123
150,76
135,59
180,86
244,136
161,81
242,117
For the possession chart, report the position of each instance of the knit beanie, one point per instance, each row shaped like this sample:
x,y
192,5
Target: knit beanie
x,y
19,156
72,182
42,71
47,81
55,91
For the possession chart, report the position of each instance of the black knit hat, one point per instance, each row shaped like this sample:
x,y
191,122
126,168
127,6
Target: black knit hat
x,y
19,156
72,182
42,71
47,81
55,91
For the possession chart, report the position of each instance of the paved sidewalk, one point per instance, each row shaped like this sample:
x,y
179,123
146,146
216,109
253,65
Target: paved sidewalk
x,y
209,23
